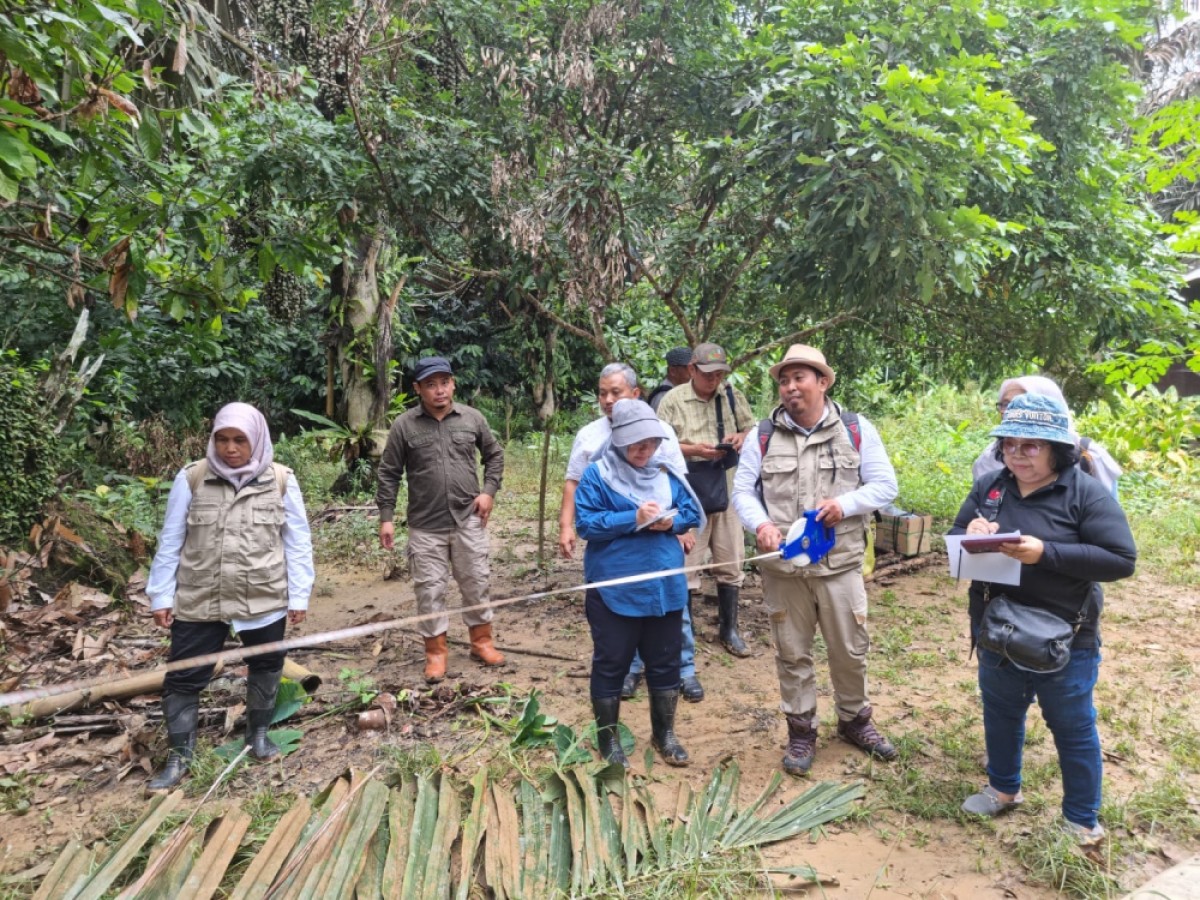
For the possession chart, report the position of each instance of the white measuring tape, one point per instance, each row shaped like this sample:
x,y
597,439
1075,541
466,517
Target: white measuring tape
x,y
14,698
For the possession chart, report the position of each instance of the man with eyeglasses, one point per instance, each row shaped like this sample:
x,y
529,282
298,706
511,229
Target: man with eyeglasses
x,y
712,420
811,459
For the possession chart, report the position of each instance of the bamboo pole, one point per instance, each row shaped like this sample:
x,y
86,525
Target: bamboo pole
x,y
145,683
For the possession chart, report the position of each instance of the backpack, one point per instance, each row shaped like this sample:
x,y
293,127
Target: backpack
x,y
766,428
198,471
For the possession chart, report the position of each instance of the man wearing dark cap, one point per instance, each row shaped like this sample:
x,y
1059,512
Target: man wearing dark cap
x,y
678,361
712,420
435,445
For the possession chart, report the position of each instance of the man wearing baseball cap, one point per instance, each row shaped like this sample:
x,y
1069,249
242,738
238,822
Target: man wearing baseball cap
x,y
712,423
816,457
437,445
678,361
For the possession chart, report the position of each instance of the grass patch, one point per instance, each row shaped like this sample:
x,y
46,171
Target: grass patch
x,y
1163,805
1052,858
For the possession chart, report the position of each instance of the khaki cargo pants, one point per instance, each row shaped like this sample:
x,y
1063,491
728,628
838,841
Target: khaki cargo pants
x,y
837,604
433,556
723,535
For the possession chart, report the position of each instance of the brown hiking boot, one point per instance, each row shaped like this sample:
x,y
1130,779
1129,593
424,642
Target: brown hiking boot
x,y
801,745
860,731
482,648
435,658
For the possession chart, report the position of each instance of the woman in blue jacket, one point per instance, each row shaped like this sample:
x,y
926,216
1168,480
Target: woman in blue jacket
x,y
619,508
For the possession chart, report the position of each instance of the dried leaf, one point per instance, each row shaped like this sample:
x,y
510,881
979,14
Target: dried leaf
x,y
24,89
75,294
181,54
124,104
148,75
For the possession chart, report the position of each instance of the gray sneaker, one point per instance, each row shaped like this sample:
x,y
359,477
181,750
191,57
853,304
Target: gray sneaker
x,y
1088,838
987,803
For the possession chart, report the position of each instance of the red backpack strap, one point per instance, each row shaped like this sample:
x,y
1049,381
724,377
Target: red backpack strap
x,y
766,428
850,420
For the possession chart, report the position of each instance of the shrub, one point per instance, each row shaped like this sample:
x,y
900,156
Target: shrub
x,y
29,453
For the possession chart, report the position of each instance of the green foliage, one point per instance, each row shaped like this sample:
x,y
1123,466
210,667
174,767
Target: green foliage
x,y
29,453
361,686
1150,429
136,504
312,464
932,439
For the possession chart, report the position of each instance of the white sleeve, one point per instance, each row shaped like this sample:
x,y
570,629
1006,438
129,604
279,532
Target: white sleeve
x,y
297,547
160,585
985,463
746,503
879,487
672,455
579,458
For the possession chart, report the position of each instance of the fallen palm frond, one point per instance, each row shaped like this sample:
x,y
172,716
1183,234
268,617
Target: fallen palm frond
x,y
583,831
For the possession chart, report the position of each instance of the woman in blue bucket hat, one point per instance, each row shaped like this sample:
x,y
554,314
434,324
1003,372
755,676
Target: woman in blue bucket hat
x,y
1073,535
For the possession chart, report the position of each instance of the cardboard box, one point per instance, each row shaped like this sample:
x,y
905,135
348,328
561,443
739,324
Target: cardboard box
x,y
908,535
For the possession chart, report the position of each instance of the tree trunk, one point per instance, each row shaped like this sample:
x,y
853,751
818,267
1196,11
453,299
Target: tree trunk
x,y
362,409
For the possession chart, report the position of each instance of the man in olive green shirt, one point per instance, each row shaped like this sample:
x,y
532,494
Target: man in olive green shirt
x,y
712,421
435,445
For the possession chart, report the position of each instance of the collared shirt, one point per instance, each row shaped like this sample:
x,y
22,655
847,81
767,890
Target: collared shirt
x,y
591,438
440,461
297,549
695,420
878,489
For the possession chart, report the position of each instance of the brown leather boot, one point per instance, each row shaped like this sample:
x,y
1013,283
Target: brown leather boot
x,y
482,648
435,658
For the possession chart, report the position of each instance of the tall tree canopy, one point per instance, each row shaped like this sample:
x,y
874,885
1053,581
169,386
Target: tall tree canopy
x,y
952,189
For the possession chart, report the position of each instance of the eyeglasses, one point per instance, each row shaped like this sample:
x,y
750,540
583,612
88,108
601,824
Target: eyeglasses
x,y
1001,407
1021,448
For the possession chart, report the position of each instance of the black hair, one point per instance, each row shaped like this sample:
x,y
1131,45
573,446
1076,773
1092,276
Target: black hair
x,y
1063,456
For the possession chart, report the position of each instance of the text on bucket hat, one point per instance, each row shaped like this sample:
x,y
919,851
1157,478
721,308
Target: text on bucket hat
x,y
679,356
804,355
431,365
1038,417
710,358
633,421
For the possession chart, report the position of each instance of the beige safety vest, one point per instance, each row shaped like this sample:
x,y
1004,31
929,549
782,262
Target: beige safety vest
x,y
797,472
232,565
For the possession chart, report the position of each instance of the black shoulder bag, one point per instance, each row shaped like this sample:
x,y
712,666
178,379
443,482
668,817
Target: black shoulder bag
x,y
1030,638
707,476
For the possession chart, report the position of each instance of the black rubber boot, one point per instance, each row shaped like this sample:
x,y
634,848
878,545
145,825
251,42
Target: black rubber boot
x,y
180,712
630,685
608,737
727,609
261,688
662,728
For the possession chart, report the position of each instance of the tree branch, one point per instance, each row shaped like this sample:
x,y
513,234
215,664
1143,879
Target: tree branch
x,y
794,338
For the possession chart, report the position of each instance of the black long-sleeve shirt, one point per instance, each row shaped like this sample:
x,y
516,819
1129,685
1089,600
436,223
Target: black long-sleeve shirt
x,y
1086,538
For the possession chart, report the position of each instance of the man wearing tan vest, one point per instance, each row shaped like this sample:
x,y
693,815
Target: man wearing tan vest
x,y
816,457
437,444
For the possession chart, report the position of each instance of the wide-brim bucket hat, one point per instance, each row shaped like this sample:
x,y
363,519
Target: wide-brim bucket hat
x,y
804,355
1036,417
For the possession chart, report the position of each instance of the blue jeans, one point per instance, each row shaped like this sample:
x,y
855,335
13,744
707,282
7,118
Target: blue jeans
x,y
687,653
1066,701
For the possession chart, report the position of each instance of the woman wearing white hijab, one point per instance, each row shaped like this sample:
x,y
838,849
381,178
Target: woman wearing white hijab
x,y
234,552
1094,459
619,510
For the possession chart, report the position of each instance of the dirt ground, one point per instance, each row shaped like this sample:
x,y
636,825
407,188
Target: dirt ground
x,y
909,842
